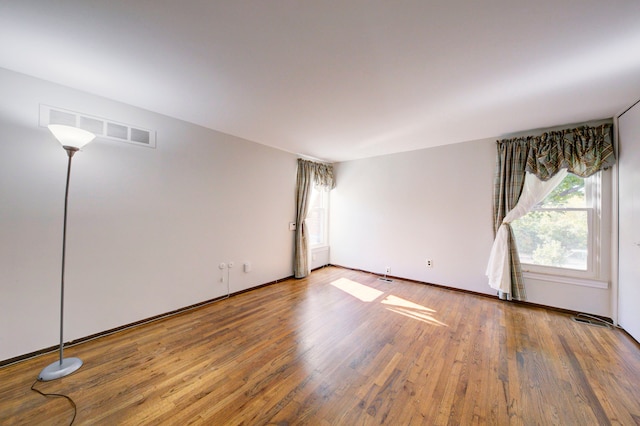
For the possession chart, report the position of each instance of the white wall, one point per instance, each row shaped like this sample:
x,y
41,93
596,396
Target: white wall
x,y
399,210
629,225
147,227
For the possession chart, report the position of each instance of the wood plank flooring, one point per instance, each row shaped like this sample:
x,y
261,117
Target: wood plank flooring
x,y
342,348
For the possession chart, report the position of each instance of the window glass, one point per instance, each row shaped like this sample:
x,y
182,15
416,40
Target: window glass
x,y
317,218
569,193
559,232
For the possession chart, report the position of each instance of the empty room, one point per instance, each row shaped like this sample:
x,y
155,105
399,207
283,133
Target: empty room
x,y
325,213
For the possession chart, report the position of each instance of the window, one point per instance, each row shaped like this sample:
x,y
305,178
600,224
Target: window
x,y
318,218
561,234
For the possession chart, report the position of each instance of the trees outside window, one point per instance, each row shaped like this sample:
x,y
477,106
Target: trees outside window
x,y
560,233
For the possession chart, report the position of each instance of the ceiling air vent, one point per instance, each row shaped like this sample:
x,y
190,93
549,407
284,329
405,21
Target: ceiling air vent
x,y
101,127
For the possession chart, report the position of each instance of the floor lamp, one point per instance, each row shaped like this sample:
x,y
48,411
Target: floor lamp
x,y
72,139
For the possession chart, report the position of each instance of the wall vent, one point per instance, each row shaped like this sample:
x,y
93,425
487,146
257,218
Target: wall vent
x,y
101,127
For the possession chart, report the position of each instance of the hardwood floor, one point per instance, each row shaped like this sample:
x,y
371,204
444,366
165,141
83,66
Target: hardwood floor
x,y
342,348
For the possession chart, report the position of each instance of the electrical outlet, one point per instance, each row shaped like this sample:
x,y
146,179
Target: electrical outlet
x,y
387,270
429,263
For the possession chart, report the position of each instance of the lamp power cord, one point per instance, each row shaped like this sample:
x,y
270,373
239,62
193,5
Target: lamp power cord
x,y
57,395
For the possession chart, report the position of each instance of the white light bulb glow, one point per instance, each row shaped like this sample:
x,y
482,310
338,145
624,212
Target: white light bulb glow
x,y
71,136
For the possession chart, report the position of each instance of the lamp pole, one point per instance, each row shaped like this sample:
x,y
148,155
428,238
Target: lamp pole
x,y
70,151
72,140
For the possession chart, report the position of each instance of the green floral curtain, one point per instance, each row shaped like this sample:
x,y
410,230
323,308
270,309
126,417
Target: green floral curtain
x,y
583,151
508,184
322,176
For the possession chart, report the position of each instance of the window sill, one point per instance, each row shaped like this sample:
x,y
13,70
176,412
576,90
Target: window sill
x,y
584,282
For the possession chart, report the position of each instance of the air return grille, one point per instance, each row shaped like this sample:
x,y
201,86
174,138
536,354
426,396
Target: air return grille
x,y
101,127
591,320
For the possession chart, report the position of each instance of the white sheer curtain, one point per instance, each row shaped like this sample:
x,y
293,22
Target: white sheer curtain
x,y
534,191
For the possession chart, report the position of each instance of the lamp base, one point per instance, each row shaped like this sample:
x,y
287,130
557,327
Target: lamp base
x,y
56,369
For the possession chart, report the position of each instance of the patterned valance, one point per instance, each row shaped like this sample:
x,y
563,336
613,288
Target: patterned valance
x,y
583,151
322,173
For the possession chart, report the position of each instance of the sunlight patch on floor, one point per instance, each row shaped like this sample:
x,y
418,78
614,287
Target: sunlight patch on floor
x,y
410,309
404,303
420,316
393,303
357,290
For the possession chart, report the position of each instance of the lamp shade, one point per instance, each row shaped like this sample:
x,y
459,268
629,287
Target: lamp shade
x,y
71,136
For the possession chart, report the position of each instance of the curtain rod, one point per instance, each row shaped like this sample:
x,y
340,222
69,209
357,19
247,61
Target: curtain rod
x,y
308,157
540,131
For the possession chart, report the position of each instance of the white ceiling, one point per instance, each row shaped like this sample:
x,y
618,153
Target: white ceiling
x,y
339,80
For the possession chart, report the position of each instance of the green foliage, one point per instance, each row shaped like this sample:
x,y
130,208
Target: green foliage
x,y
550,237
551,253
568,193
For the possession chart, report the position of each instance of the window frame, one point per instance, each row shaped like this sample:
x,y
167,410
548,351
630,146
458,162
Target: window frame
x,y
594,209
